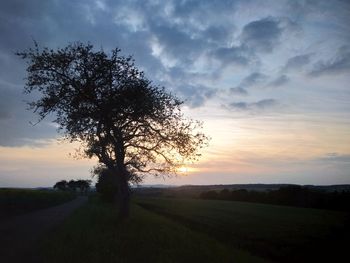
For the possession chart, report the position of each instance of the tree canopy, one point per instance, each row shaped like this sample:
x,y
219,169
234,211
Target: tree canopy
x,y
72,185
103,101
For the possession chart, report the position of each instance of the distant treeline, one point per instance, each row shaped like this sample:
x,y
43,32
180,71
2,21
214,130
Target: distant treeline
x,y
81,186
289,195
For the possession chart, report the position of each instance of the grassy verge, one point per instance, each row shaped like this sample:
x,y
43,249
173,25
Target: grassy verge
x,y
19,201
283,234
94,234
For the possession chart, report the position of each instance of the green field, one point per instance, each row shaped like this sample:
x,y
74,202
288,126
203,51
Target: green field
x,y
94,234
19,201
284,234
175,230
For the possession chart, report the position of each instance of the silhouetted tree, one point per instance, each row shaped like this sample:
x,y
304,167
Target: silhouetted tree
x,y
104,102
61,185
72,185
83,185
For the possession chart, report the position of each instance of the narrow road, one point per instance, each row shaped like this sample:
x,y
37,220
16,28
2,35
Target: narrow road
x,y
19,235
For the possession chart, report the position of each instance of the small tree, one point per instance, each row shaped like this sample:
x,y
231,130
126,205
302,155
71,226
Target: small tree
x,y
104,102
72,185
83,185
61,185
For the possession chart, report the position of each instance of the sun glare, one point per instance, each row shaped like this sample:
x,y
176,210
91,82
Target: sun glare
x,y
183,169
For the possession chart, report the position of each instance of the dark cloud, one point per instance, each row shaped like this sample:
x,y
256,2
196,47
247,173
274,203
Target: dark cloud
x,y
262,35
252,79
203,12
297,62
180,45
249,106
218,34
258,36
279,81
232,55
339,64
238,90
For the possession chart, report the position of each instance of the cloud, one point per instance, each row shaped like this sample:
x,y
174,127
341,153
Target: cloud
x,y
178,44
297,62
238,90
335,157
339,64
196,95
194,48
238,55
252,79
203,12
218,34
7,98
258,105
262,35
279,81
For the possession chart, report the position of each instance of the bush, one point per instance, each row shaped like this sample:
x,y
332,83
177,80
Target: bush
x,y
106,184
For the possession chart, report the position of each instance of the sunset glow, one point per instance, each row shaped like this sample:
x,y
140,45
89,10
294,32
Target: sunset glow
x,y
183,170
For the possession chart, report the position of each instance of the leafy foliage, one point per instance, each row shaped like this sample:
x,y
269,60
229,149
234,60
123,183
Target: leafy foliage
x,y
106,103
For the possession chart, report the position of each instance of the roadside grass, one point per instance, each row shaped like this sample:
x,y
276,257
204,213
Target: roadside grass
x,y
283,234
18,201
94,234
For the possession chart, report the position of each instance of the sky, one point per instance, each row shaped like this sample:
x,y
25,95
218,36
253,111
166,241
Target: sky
x,y
269,79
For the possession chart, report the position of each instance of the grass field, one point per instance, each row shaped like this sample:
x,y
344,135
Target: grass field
x,y
19,201
94,234
175,230
284,234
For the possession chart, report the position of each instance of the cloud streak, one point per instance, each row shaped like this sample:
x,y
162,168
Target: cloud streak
x,y
279,81
253,106
297,62
337,65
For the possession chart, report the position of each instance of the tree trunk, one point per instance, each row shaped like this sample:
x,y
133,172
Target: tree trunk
x,y
124,197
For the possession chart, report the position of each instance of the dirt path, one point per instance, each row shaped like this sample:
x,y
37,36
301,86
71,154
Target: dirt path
x,y
19,235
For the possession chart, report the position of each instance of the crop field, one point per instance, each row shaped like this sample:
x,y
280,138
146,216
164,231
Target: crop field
x,y
94,234
278,233
19,201
189,230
